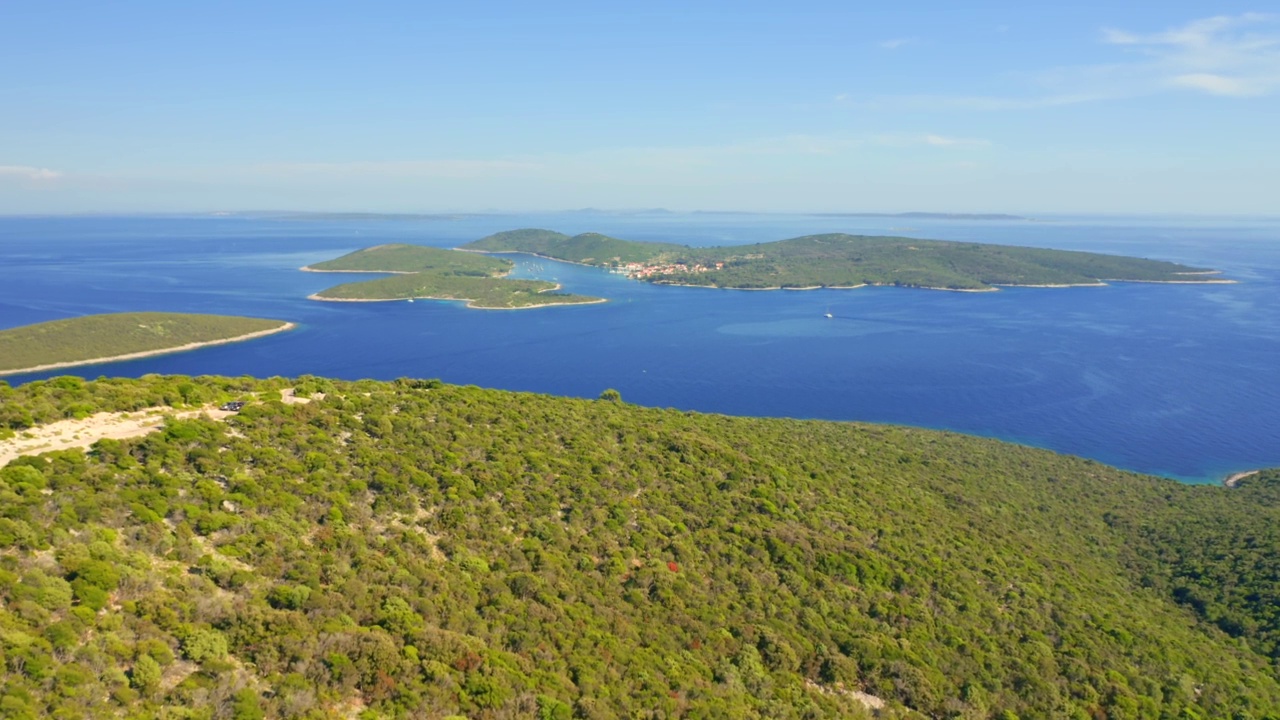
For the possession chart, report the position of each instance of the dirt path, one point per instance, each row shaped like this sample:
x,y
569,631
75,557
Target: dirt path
x,y
1235,479
68,434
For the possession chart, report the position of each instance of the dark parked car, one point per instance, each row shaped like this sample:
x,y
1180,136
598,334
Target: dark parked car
x,y
232,406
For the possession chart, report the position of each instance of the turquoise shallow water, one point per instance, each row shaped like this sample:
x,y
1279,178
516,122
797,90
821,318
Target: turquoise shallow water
x,y
1179,380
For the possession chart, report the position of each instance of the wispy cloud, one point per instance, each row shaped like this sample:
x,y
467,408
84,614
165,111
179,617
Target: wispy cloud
x,y
1225,55
25,172
928,140
448,168
1233,55
895,43
943,141
804,145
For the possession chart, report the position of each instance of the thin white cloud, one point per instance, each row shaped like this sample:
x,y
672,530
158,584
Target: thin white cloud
x,y
1204,32
984,102
794,146
1220,84
457,169
1231,55
26,172
895,43
928,140
943,141
1225,55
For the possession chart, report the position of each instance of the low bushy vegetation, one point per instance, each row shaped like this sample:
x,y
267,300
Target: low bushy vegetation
x,y
426,272
412,549
839,260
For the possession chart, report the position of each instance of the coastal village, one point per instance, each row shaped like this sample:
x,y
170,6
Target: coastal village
x,y
639,271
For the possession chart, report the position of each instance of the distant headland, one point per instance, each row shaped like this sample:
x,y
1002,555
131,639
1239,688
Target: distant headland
x,y
94,339
843,261
927,216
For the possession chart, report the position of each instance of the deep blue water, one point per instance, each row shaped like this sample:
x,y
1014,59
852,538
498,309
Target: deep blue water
x,y
1178,380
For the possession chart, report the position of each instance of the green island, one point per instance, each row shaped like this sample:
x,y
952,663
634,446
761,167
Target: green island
x,y
411,549
420,272
843,261
121,336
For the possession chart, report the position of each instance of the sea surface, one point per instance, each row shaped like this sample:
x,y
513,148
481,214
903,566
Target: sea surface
x,y
1176,380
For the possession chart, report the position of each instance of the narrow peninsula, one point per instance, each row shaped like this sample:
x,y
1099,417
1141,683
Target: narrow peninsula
x,y
94,339
844,261
419,272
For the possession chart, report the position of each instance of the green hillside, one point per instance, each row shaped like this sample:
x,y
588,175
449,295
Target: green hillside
x,y
412,550
587,248
838,260
93,338
490,293
435,273
412,259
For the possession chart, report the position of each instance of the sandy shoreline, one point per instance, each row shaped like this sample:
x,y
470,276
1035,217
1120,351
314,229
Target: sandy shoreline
x,y
470,304
151,353
308,268
1053,285
1178,282
927,287
1233,480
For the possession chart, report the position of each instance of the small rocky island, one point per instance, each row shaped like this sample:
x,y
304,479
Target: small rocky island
x,y
420,272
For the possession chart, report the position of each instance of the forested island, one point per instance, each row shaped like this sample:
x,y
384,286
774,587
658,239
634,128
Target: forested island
x,y
121,336
420,272
411,549
843,261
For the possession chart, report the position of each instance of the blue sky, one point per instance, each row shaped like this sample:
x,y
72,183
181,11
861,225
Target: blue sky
x,y
819,106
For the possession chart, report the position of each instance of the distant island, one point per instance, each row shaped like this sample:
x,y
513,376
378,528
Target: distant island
x,y
96,339
428,273
843,261
927,215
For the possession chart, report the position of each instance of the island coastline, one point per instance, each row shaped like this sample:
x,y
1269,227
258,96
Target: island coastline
x,y
308,268
150,353
470,303
481,283
879,260
1177,282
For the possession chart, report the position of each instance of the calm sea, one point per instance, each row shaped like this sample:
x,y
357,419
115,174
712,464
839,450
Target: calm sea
x,y
1178,380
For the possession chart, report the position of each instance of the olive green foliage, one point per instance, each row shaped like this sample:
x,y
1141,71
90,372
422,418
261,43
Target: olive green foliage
x,y
479,292
838,260
1218,556
412,549
95,337
415,258
428,272
587,248
68,397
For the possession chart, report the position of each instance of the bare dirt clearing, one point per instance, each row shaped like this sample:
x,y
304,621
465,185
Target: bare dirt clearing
x,y
69,434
